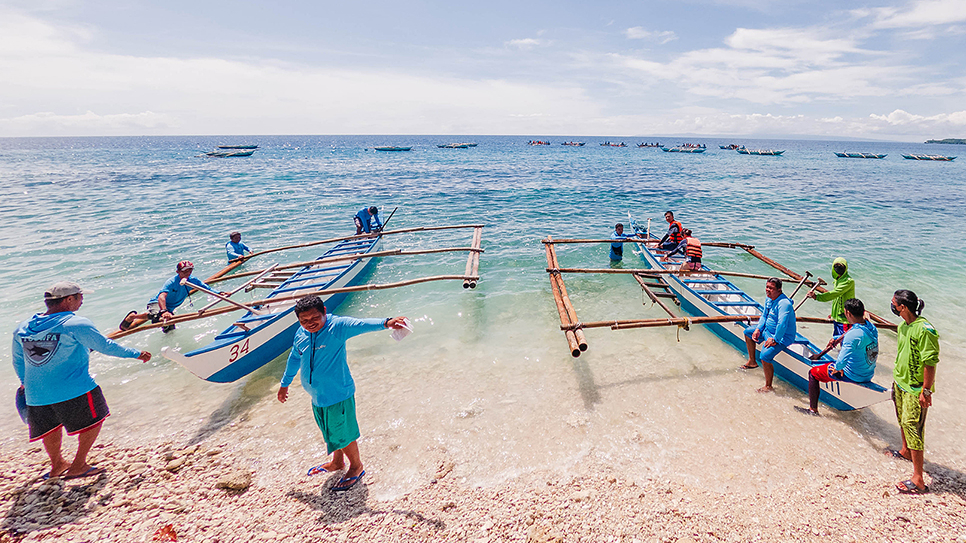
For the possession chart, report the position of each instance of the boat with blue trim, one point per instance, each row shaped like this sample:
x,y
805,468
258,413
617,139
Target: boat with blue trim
x,y
705,293
859,155
761,152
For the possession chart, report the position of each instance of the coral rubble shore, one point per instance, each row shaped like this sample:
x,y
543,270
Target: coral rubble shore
x,y
207,494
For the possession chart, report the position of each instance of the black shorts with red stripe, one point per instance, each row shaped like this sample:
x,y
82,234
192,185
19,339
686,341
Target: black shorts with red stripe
x,y
76,415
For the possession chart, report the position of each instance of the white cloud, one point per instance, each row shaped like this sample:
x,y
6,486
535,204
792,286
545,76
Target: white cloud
x,y
639,33
921,13
525,43
86,123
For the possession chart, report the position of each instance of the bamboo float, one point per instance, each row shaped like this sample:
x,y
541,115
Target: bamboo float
x,y
287,299
571,313
569,334
665,272
473,261
653,296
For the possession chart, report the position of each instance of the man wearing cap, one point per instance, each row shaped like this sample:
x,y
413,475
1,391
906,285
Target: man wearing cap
x,y
51,358
235,248
171,295
367,220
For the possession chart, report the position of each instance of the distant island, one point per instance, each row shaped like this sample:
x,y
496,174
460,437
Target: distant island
x,y
948,140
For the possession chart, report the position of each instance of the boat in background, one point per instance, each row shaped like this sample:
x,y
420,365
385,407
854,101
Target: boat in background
x,y
859,155
762,152
229,154
942,158
573,143
732,147
706,294
454,146
391,148
469,144
538,142
238,147
650,145
683,149
609,144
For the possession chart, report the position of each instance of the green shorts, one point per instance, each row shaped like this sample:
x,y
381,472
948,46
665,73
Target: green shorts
x,y
338,423
911,416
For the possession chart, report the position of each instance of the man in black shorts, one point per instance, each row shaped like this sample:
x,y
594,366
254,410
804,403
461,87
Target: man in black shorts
x,y
51,358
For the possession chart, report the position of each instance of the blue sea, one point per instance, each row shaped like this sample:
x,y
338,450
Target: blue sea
x,y
487,373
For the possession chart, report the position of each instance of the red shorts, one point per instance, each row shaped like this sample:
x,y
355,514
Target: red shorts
x,y
821,373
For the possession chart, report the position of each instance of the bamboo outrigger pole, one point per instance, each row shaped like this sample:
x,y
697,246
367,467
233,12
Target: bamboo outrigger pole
x,y
568,317
668,272
685,322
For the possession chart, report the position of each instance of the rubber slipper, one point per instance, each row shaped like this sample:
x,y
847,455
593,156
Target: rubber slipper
x,y
897,455
747,367
127,321
909,487
317,470
91,471
806,411
50,474
348,482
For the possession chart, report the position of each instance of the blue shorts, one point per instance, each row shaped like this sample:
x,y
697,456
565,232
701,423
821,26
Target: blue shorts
x,y
840,328
768,354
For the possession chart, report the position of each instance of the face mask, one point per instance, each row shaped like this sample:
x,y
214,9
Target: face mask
x,y
895,310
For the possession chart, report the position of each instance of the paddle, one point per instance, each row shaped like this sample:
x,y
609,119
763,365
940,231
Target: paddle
x,y
806,295
388,218
823,353
800,283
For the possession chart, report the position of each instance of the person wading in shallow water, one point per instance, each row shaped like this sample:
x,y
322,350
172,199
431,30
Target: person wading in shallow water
x,y
51,358
914,377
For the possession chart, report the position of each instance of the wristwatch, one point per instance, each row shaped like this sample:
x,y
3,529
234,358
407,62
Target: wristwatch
x,y
926,392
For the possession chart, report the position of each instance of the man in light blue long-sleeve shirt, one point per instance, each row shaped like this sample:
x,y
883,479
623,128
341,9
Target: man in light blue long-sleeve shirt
x,y
318,352
51,359
775,330
367,220
235,248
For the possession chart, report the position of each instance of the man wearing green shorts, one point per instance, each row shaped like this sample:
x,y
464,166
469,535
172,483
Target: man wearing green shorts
x,y
318,351
915,378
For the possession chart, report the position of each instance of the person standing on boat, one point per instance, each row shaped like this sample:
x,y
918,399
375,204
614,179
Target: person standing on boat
x,y
775,330
617,248
51,358
367,220
690,247
843,288
914,377
318,352
674,234
235,248
856,360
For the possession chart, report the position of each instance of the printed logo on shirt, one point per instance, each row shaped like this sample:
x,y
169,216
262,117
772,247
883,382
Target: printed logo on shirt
x,y
872,353
39,351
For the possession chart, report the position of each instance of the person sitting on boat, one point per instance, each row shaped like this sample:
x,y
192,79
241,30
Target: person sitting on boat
x,y
775,330
318,351
856,360
843,288
674,234
235,248
171,295
367,220
690,247
617,248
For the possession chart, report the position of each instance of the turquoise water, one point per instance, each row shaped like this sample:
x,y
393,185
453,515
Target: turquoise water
x,y
117,214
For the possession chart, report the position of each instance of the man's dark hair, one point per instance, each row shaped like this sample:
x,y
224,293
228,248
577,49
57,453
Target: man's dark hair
x,y
52,303
909,299
309,303
671,213
618,225
855,307
775,281
373,210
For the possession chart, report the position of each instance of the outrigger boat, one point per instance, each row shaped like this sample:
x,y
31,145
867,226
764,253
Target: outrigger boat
x,y
391,148
859,155
731,147
266,330
645,144
762,152
574,143
454,146
238,147
941,158
229,154
683,149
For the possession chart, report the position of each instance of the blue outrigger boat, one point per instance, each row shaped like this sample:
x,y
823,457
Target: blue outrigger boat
x,y
706,294
258,338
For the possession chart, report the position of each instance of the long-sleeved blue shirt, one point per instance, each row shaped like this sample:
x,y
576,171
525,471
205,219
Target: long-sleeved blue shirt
x,y
365,217
322,360
51,356
617,249
778,319
176,291
236,250
860,350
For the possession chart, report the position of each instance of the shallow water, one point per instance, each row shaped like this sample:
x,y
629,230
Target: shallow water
x,y
487,381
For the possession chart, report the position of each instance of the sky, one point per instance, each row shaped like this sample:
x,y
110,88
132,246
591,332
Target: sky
x,y
883,69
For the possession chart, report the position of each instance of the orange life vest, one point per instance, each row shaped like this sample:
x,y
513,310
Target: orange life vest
x,y
675,237
693,250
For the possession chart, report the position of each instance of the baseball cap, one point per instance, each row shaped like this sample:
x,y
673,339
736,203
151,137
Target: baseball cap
x,y
63,289
185,265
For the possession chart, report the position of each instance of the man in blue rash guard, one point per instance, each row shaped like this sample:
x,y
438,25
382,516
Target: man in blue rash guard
x,y
365,218
775,330
171,295
617,248
318,352
51,359
856,360
235,248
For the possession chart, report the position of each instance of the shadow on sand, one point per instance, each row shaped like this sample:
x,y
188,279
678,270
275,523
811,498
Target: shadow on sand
x,y
52,504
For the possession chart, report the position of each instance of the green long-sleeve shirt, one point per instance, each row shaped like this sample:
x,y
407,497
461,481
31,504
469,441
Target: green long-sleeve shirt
x,y
843,288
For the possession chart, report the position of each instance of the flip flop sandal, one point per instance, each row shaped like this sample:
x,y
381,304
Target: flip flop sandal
x,y
897,455
348,482
909,487
91,471
317,470
127,321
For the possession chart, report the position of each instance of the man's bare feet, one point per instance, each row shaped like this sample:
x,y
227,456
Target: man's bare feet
x,y
332,466
766,389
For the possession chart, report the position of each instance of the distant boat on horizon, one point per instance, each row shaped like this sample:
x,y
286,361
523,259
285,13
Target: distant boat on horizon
x,y
573,143
760,152
941,158
860,155
229,154
391,148
238,147
683,149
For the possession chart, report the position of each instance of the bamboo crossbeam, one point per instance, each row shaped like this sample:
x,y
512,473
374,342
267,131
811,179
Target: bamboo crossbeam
x,y
569,334
364,236
342,258
751,250
686,321
651,240
653,296
286,299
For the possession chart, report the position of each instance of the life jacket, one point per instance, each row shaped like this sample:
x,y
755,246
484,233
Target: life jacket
x,y
675,237
693,250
